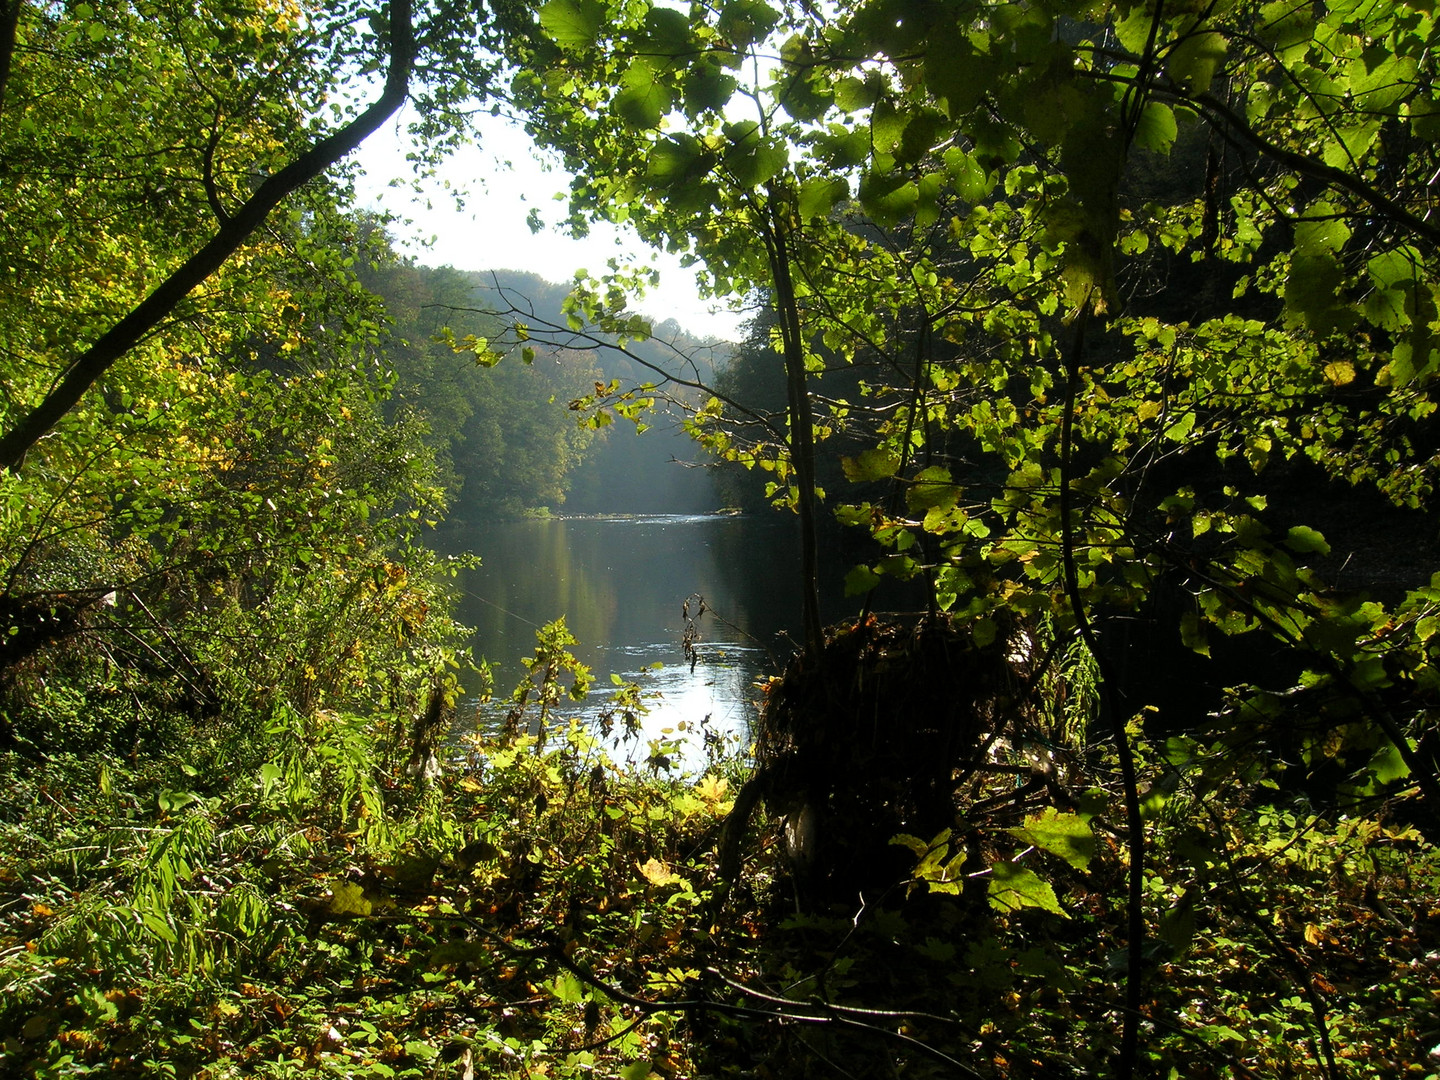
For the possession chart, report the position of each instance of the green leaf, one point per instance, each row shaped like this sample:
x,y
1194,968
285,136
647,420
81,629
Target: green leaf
x,y
158,926
637,1070
1064,835
644,98
1318,233
931,487
745,22
1177,926
860,580
1013,887
572,24
667,32
1388,765
1180,429
751,158
819,196
887,197
972,182
870,465
1194,62
1156,129
1193,635
678,160
1311,294
567,988
984,632
707,87
421,1051
1305,540
956,74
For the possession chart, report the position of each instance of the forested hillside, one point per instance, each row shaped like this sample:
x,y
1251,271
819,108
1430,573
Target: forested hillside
x,y
1105,330
506,437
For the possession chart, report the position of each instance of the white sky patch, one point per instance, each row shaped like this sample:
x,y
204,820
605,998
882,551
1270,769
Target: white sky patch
x,y
502,182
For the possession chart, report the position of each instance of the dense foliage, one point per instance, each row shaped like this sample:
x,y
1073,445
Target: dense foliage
x,y
1148,290
1109,326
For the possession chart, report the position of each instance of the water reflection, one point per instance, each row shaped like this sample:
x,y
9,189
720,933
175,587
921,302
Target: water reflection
x,y
622,585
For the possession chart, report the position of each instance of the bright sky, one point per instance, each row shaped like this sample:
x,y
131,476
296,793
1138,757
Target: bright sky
x,y
505,181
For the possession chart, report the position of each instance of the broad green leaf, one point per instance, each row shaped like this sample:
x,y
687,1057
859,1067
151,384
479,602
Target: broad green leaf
x,y
1013,887
707,87
887,197
972,182
644,98
1177,926
819,196
1352,145
860,580
677,160
1340,372
1064,835
931,487
667,32
572,24
1194,62
1388,766
1317,233
753,160
1181,427
957,75
1312,294
869,465
1305,540
745,22
1157,129
455,953
1193,635
567,988
1394,269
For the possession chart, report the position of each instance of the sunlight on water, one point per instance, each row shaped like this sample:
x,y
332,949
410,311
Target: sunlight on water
x,y
622,585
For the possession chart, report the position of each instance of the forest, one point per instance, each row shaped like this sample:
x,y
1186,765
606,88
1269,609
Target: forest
x,y
1099,336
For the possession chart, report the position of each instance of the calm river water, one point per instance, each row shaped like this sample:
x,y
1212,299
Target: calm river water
x,y
622,583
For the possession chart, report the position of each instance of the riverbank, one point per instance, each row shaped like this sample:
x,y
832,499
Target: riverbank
x,y
290,899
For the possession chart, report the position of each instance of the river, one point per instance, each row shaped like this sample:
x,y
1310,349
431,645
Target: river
x,y
622,584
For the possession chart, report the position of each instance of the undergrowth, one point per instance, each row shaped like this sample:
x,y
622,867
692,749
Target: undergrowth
x,y
288,900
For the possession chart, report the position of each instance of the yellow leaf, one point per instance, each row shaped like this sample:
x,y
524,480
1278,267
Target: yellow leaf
x,y
348,898
1340,372
712,788
657,873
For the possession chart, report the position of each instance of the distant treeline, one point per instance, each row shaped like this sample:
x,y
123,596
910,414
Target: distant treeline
x,y
505,434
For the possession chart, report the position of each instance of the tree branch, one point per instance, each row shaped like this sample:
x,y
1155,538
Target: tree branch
x,y
143,318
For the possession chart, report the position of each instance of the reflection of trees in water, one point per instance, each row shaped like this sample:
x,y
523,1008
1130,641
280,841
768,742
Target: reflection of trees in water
x,y
623,583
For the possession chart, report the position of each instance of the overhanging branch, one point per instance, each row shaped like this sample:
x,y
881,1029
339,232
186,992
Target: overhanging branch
x,y
233,232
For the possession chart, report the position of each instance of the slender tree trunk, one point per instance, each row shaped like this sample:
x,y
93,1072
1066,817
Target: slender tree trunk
x,y
802,425
9,25
148,314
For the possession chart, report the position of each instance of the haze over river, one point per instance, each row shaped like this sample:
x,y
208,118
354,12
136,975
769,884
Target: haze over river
x,y
622,584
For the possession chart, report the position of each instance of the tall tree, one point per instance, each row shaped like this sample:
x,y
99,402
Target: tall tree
x,y
211,115
1071,449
